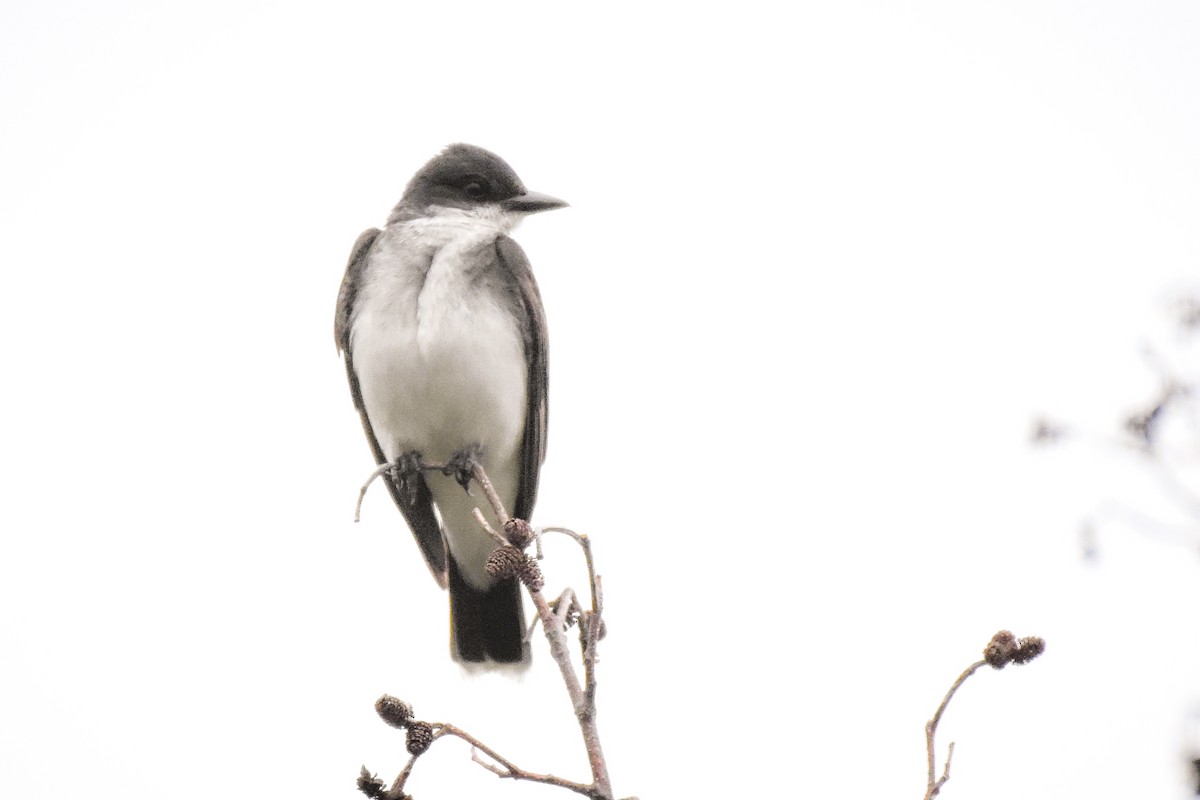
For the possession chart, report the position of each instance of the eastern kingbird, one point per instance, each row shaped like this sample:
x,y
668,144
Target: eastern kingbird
x,y
444,337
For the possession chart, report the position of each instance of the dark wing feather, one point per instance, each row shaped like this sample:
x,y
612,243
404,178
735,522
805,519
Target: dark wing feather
x,y
348,294
515,266
415,503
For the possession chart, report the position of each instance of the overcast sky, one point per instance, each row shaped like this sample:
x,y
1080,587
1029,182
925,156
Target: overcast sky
x,y
821,268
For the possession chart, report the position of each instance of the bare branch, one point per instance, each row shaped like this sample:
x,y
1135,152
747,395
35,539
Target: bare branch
x,y
585,544
1003,649
554,624
506,768
934,784
583,703
397,789
483,523
362,492
1164,430
489,492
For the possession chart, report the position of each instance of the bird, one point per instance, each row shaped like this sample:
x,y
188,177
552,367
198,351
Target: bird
x,y
442,330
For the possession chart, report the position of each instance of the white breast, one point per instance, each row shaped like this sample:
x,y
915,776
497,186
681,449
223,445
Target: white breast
x,y
439,357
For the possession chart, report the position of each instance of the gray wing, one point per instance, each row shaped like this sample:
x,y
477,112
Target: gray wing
x,y
515,267
348,293
414,500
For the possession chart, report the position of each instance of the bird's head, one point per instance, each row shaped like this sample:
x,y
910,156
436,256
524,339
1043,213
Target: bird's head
x,y
472,179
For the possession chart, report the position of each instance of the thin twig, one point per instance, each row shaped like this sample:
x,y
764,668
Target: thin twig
x,y
397,789
934,784
483,523
489,766
563,606
1175,486
590,625
489,492
362,492
381,470
591,636
507,768
945,768
1187,534
585,544
585,713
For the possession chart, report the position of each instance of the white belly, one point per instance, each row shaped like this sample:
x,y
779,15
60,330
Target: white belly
x,y
441,364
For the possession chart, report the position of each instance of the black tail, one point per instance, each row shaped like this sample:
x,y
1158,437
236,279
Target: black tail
x,y
486,625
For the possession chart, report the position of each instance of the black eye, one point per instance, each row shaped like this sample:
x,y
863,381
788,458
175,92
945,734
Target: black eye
x,y
475,189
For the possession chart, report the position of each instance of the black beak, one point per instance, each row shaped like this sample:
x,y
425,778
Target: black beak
x,y
532,202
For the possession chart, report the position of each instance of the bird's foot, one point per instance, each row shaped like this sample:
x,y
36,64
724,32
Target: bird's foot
x,y
406,472
461,465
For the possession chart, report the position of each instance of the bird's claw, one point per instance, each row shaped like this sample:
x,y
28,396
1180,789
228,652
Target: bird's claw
x,y
406,471
461,465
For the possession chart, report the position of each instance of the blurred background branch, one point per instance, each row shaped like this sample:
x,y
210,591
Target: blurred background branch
x,y
1162,435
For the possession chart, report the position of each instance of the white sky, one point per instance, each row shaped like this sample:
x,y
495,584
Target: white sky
x,y
821,268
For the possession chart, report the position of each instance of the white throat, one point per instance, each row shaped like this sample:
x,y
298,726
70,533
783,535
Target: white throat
x,y
489,217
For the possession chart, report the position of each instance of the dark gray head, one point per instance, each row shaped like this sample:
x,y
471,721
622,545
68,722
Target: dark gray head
x,y
468,177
